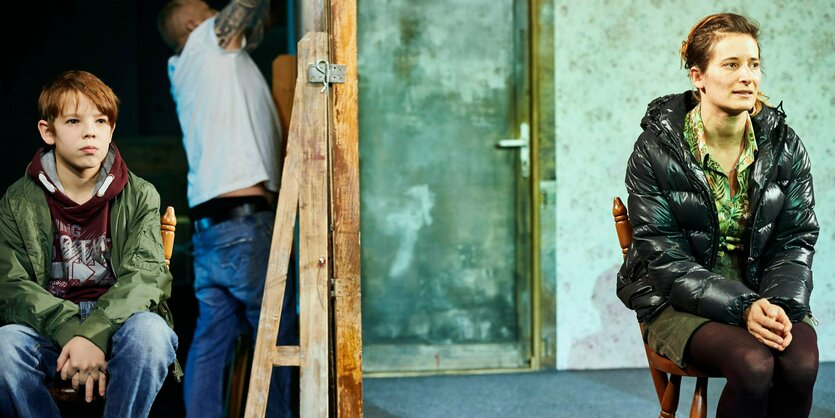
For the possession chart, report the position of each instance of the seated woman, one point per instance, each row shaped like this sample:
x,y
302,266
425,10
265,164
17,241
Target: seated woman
x,y
721,205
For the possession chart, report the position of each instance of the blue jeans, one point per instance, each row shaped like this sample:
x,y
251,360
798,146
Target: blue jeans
x,y
230,267
140,353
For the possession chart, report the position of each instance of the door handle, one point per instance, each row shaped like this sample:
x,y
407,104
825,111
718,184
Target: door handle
x,y
523,144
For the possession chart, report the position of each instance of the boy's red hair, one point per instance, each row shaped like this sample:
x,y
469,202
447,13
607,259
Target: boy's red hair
x,y
59,93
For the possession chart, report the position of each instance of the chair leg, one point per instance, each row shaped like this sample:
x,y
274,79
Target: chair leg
x,y
239,376
699,407
659,379
670,402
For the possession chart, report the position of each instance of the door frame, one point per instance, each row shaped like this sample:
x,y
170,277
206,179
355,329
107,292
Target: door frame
x,y
536,244
338,19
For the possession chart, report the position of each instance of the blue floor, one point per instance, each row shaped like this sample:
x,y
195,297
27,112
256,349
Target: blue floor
x,y
598,393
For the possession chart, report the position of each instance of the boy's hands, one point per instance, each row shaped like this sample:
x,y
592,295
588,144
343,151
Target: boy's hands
x,y
769,324
83,362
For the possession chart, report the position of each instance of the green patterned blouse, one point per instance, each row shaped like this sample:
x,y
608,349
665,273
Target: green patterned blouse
x,y
733,210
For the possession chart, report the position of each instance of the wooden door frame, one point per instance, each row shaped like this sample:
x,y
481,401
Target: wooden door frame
x,y
339,19
345,212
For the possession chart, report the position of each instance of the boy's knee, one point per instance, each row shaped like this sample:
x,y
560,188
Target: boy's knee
x,y
14,337
148,333
17,346
12,334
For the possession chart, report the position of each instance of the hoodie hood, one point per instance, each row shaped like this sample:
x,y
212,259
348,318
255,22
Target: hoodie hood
x,y
112,179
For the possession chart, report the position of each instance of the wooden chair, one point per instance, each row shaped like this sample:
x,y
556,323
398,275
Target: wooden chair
x,y
665,374
238,382
62,390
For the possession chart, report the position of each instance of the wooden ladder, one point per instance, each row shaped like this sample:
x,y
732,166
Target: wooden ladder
x,y
304,188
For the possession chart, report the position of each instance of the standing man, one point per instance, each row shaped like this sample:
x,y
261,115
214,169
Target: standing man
x,y
232,139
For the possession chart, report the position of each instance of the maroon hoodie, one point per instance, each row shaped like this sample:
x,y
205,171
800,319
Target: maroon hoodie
x,y
81,253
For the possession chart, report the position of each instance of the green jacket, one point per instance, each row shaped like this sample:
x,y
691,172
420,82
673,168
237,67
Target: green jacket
x,y
143,281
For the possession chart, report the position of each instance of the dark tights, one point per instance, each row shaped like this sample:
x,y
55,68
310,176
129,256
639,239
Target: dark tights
x,y
761,381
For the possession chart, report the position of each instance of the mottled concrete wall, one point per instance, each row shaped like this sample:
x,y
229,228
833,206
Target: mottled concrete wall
x,y
612,58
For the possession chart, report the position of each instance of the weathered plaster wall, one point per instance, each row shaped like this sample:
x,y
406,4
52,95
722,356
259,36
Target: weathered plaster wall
x,y
611,59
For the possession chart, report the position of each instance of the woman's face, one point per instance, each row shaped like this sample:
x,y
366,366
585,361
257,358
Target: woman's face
x,y
732,78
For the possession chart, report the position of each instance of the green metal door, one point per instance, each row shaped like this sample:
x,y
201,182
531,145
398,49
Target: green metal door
x,y
445,212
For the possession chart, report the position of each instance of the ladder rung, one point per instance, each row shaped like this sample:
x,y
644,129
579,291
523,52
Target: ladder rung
x,y
286,355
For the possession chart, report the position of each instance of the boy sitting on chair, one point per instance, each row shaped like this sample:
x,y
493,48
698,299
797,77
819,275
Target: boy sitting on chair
x,y
82,273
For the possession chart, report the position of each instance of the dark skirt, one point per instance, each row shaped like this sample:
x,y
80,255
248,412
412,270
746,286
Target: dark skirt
x,y
669,333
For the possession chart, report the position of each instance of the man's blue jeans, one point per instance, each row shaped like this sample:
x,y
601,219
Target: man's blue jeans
x,y
140,353
230,267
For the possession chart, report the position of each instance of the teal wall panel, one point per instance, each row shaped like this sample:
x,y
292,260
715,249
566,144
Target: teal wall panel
x,y
437,90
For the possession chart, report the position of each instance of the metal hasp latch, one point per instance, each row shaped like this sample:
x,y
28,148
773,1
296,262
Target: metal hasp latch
x,y
523,144
325,73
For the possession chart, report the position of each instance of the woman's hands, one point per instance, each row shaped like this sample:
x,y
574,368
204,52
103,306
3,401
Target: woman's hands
x,y
769,324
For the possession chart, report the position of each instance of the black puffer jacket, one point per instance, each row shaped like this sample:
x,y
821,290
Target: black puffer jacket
x,y
676,227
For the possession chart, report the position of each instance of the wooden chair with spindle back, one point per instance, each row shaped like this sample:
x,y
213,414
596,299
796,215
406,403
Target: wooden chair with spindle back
x,y
665,374
62,391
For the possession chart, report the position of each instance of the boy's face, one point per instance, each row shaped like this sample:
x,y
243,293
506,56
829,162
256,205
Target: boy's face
x,y
81,135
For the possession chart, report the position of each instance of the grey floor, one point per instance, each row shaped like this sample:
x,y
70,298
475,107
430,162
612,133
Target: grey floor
x,y
599,393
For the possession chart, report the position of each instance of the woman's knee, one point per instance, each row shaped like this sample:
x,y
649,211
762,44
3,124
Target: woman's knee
x,y
798,365
754,371
801,376
759,364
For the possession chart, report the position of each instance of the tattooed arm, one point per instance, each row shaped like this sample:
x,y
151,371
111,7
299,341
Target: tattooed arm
x,y
242,19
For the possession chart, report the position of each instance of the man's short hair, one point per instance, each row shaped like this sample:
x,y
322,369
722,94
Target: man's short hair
x,y
165,23
56,94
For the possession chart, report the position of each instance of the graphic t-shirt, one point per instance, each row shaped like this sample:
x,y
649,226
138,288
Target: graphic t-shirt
x,y
81,258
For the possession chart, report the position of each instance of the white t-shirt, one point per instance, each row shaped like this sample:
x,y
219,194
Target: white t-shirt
x,y
231,130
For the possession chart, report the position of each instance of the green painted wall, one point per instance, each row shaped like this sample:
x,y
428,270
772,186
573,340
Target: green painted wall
x,y
437,90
